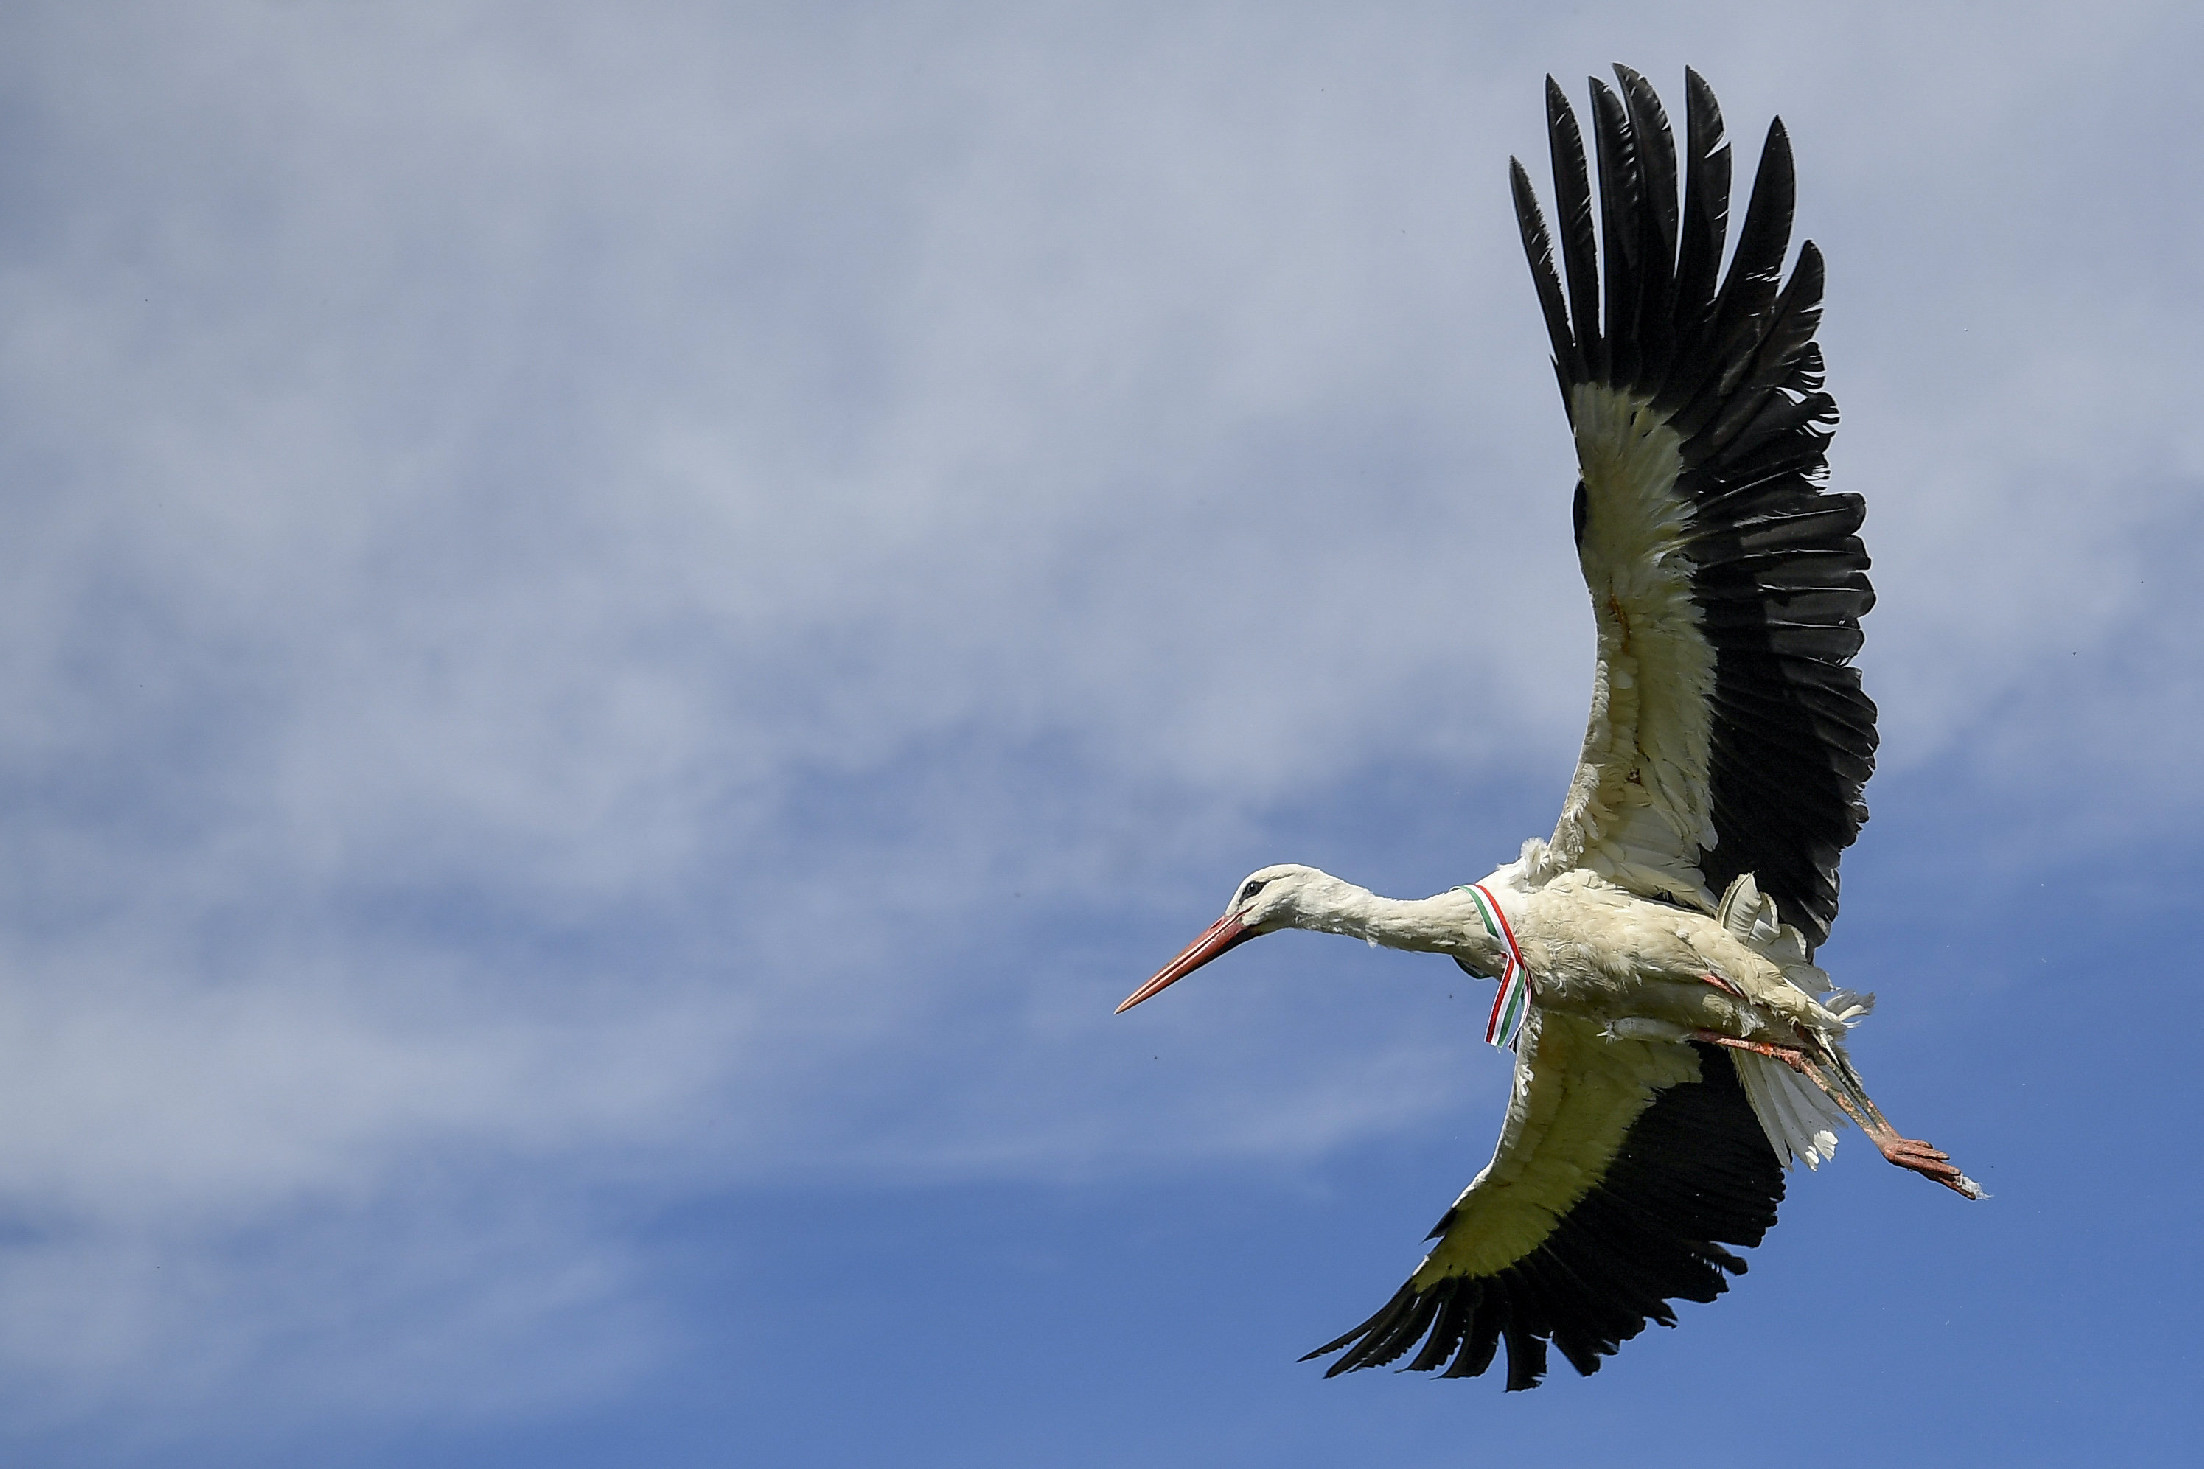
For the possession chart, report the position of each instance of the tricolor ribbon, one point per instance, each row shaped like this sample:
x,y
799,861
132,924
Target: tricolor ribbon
x,y
1513,1002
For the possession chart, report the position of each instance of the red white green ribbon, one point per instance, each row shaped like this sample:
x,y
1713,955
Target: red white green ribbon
x,y
1513,1002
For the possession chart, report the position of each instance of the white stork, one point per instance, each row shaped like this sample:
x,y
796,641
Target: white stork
x,y
1676,1047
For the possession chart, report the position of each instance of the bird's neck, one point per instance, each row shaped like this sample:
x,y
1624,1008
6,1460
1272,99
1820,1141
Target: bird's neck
x,y
1445,924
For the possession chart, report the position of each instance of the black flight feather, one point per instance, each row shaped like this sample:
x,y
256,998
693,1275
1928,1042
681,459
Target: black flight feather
x,y
1728,358
1538,246
1573,227
1619,189
1655,148
1702,231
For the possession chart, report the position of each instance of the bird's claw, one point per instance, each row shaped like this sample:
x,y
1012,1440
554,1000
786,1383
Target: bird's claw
x,y
1928,1161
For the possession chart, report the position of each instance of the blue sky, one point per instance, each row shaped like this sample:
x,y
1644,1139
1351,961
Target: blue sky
x,y
624,625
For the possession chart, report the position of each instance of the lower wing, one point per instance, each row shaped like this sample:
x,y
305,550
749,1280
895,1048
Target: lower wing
x,y
1623,1169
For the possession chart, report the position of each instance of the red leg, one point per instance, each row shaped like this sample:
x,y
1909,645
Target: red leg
x,y
1790,1056
1910,1153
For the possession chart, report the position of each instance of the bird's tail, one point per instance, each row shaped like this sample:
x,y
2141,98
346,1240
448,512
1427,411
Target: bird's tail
x,y
1800,1119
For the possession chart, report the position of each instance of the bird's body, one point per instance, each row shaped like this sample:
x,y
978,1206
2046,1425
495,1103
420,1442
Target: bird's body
x,y
1600,951
1677,1046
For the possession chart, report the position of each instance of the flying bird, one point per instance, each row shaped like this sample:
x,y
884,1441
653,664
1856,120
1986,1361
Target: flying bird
x,y
1676,1047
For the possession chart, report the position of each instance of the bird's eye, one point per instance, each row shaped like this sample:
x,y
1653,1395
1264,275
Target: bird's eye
x,y
1254,886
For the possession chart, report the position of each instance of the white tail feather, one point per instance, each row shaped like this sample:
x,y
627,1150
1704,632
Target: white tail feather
x,y
1800,1121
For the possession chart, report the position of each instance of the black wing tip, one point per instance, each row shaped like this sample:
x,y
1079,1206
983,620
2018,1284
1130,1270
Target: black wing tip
x,y
1694,1173
1522,191
1658,304
1701,103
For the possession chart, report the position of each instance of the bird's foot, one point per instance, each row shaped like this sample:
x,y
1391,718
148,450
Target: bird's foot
x,y
1928,1161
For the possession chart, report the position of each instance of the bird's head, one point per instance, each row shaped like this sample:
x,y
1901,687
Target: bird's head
x,y
1268,900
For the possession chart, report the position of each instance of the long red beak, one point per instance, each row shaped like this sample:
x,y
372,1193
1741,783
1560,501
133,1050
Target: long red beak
x,y
1225,933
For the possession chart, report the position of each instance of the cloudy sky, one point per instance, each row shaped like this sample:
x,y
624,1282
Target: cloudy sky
x,y
622,625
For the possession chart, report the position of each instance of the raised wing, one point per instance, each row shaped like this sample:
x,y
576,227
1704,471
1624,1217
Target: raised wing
x,y
1728,732
1623,1169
